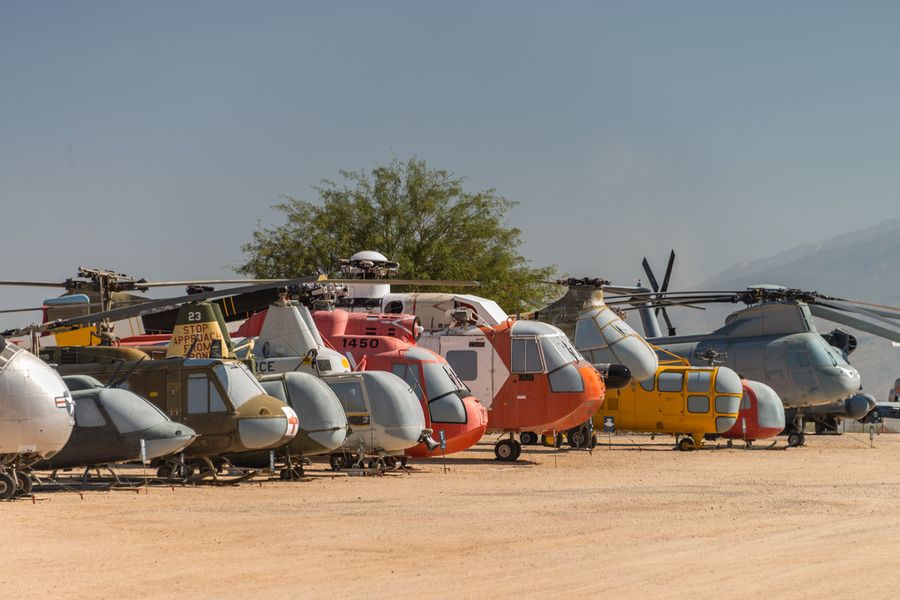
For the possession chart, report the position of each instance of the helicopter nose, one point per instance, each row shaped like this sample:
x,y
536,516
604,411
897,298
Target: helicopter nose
x,y
635,354
839,382
329,439
267,432
177,439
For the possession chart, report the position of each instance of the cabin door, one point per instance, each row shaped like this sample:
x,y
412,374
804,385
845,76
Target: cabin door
x,y
474,360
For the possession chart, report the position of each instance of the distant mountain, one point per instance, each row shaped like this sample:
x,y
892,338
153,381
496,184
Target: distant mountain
x,y
860,265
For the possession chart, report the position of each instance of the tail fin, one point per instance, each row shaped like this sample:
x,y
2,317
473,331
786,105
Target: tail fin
x,y
200,332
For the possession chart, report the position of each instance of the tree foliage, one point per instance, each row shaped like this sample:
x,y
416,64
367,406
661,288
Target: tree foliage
x,y
422,218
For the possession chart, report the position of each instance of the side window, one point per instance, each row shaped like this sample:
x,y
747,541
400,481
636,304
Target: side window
x,y
87,414
698,404
351,396
394,307
410,374
698,381
465,363
670,381
198,394
647,384
525,356
203,395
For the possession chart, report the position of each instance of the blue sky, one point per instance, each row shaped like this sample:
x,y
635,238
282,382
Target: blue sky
x,y
152,137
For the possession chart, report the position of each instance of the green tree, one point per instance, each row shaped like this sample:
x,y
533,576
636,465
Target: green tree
x,y
422,218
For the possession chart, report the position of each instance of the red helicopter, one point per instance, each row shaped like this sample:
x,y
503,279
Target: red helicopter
x,y
761,414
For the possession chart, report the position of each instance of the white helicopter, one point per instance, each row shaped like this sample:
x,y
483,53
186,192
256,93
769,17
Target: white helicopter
x,y
36,415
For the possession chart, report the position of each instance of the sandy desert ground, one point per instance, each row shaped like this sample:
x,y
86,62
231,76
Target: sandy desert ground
x,y
633,520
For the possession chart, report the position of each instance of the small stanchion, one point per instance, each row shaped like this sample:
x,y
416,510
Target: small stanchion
x,y
443,448
144,464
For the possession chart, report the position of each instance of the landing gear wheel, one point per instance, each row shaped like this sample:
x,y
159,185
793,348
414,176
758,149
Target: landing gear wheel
x,y
403,461
686,444
556,442
577,438
164,471
24,484
820,428
338,462
7,486
796,439
593,442
507,450
528,438
390,462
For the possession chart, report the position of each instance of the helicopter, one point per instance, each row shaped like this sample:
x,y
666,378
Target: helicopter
x,y
774,340
36,416
323,423
692,403
111,425
387,343
381,427
217,397
761,414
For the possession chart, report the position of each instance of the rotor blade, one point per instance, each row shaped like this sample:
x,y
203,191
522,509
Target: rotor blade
x,y
20,310
665,284
650,276
842,317
50,284
422,282
156,306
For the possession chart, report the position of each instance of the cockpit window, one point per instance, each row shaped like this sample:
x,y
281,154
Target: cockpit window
x,y
130,412
821,357
203,395
437,381
558,352
526,357
240,385
587,335
350,394
410,374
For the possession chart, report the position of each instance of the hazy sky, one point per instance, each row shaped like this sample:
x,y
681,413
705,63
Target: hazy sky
x,y
150,137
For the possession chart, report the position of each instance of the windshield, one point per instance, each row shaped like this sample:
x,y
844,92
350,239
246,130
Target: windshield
x,y
130,412
438,381
558,352
821,356
239,384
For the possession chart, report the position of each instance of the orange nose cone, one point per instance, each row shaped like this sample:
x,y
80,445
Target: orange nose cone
x,y
457,436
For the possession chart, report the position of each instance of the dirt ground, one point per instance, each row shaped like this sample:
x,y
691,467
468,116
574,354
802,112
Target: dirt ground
x,y
632,520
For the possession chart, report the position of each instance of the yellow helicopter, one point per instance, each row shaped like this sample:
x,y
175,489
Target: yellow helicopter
x,y
689,402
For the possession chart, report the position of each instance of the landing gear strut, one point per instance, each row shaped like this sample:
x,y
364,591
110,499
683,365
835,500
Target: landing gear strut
x,y
795,435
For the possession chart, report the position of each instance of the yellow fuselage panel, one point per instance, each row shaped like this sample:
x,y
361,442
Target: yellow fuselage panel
x,y
671,410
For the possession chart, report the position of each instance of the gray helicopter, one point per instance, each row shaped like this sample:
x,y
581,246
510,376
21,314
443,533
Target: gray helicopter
x,y
36,416
773,340
323,423
110,424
